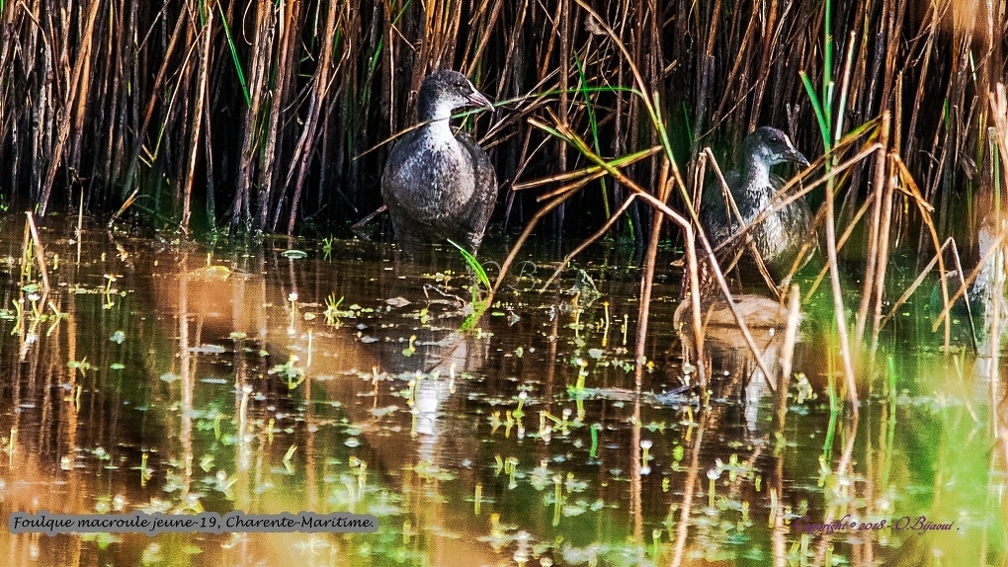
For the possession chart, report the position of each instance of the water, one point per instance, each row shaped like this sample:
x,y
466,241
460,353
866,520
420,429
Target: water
x,y
177,378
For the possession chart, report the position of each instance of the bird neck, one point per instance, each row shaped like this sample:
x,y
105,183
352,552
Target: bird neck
x,y
432,108
757,173
438,130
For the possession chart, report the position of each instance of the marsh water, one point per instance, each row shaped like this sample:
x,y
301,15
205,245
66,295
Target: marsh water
x,y
168,376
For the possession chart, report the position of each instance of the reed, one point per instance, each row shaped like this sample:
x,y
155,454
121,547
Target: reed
x,y
206,113
315,86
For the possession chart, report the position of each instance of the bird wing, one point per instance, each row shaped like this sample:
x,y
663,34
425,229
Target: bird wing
x,y
485,189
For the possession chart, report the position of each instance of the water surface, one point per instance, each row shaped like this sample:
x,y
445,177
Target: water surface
x,y
175,377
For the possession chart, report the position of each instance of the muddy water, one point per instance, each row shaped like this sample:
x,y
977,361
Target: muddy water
x,y
170,377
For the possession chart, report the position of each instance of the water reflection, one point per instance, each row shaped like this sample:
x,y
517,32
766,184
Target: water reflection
x,y
178,379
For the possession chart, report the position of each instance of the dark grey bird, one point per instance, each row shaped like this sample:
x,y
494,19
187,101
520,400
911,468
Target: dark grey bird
x,y
780,237
437,184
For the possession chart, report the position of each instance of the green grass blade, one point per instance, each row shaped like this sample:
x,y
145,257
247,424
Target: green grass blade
x,y
234,56
824,128
473,264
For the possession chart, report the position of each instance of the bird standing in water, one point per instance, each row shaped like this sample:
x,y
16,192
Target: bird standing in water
x,y
439,185
779,238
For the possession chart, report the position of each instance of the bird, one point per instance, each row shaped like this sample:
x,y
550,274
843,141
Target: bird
x,y
780,237
765,318
976,306
728,348
439,185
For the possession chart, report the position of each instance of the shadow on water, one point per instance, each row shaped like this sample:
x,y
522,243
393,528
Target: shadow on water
x,y
163,377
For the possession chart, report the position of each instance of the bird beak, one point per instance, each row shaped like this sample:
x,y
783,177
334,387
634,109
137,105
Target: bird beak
x,y
797,157
793,154
477,99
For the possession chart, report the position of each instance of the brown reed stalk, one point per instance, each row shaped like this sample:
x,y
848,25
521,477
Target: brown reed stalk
x,y
321,85
950,242
114,67
197,115
32,239
998,100
558,197
787,357
873,284
647,275
279,95
601,232
76,87
151,105
839,313
474,56
114,98
259,68
883,245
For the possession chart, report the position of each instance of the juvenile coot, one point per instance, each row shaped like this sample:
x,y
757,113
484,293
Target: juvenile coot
x,y
439,185
780,236
978,304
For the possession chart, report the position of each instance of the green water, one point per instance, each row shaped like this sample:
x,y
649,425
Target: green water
x,y
180,378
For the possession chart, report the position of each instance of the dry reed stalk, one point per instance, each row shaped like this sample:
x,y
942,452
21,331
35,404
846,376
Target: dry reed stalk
x,y
197,115
874,266
787,357
561,195
834,172
321,84
956,132
178,115
693,277
739,61
839,313
647,276
999,104
262,49
441,22
994,332
964,282
648,104
475,55
884,235
82,89
588,242
769,37
74,88
649,100
269,172
927,53
925,210
151,103
511,71
841,242
36,241
115,67
950,242
561,27
566,134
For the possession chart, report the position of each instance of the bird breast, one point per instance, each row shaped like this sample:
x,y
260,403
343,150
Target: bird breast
x,y
435,177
